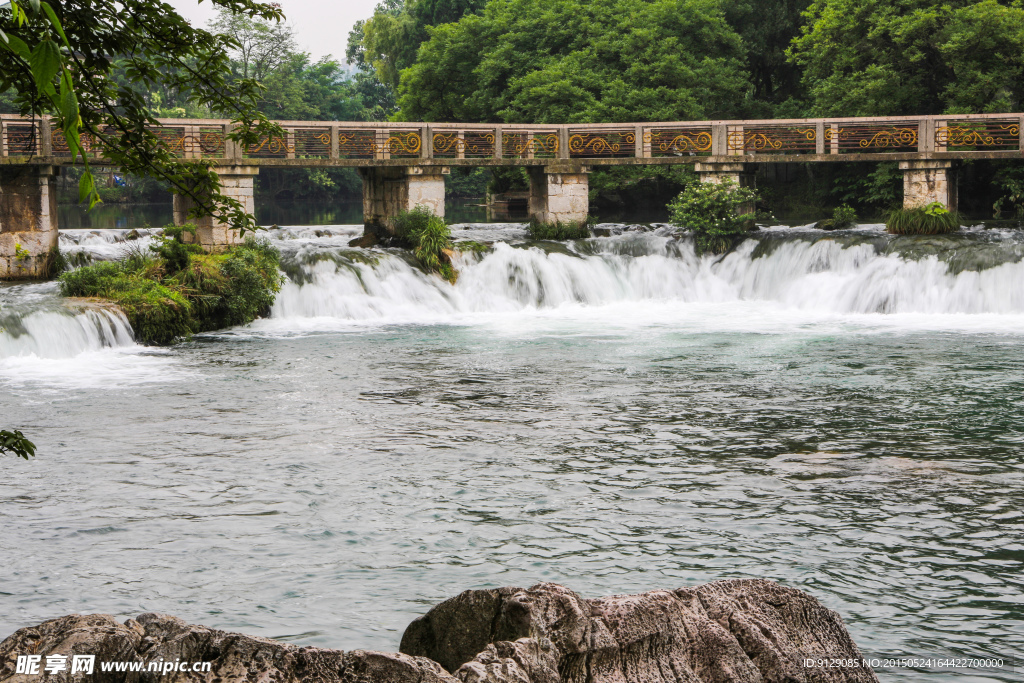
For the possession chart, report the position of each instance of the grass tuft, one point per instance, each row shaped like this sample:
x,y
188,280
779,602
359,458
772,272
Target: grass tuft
x,y
557,232
430,239
932,219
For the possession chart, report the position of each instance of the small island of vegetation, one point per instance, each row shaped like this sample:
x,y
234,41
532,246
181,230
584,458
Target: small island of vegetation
x,y
176,289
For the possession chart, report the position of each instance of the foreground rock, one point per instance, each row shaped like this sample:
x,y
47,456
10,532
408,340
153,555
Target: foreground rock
x,y
232,656
746,631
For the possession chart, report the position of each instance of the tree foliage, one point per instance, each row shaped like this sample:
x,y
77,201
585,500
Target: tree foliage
x,y
61,61
766,28
571,60
260,46
886,57
13,441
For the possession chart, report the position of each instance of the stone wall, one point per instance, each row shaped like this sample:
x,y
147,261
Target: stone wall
x,y
28,220
213,233
925,182
559,197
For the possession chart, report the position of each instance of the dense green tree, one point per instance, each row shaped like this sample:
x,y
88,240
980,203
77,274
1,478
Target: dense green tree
x,y
390,38
299,91
767,27
383,45
571,60
378,97
889,57
60,60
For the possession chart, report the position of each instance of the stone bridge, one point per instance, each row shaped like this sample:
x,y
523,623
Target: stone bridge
x,y
404,164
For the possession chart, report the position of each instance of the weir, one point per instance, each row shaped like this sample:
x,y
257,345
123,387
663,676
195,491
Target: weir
x,y
404,164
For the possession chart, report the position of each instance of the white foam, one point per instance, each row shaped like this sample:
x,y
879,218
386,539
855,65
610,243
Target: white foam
x,y
651,279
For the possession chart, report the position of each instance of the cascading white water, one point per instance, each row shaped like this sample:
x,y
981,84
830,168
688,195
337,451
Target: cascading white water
x,y
62,334
821,276
332,285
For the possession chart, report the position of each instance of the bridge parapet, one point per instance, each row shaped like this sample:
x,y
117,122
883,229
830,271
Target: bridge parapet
x,y
315,143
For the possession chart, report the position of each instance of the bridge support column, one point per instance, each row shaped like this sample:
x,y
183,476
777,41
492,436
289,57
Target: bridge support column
x,y
929,181
28,220
388,191
739,173
212,232
559,194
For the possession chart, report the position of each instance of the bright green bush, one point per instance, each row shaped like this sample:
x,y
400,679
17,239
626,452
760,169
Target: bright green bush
x,y
177,290
843,217
932,219
408,225
719,214
559,231
157,313
429,237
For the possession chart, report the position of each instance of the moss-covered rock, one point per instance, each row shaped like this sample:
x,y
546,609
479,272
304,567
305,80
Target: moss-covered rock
x,y
176,291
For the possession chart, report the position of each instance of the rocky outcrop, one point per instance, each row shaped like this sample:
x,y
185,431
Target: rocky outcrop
x,y
728,631
232,656
747,631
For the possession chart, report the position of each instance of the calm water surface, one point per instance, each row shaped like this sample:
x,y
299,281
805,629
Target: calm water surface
x,y
617,416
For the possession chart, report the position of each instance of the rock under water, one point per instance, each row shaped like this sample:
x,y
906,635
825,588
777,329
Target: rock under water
x,y
737,631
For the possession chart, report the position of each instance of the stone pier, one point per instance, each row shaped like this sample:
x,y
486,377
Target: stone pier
x,y
739,173
28,220
928,181
388,191
212,232
742,175
559,195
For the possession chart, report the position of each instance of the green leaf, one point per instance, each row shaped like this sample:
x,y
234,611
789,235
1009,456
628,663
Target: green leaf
x,y
45,63
68,101
18,47
74,140
86,187
52,16
34,4
18,14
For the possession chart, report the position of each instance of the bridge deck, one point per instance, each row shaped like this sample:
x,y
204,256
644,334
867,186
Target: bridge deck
x,y
331,143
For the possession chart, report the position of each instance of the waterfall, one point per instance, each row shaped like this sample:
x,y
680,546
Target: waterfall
x,y
55,332
779,274
871,273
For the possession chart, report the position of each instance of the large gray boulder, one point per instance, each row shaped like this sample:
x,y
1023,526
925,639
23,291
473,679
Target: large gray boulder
x,y
232,656
747,631
741,631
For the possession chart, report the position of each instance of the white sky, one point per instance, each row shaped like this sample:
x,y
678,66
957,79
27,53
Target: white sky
x,y
321,26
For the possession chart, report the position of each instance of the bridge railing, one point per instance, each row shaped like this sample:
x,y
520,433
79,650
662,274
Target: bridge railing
x,y
200,138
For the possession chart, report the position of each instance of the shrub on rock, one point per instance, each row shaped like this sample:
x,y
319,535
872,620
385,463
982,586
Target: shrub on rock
x,y
719,214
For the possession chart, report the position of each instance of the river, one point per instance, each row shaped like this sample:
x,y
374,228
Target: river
x,y
840,412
